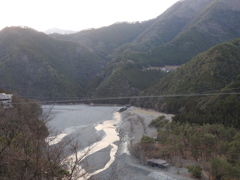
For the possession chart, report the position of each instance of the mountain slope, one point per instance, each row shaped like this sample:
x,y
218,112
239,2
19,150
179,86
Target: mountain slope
x,y
216,23
186,29
166,26
112,61
126,80
33,64
104,40
201,84
206,23
171,22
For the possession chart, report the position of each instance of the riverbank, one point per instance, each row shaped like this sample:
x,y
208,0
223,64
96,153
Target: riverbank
x,y
133,125
107,135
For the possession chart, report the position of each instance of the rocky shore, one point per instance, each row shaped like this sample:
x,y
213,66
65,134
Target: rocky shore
x,y
133,125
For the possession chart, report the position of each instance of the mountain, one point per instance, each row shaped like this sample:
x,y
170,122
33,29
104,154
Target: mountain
x,y
217,22
58,31
33,64
166,26
104,40
120,60
184,30
169,24
123,81
206,86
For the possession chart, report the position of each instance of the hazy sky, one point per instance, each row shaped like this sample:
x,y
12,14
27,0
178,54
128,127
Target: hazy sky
x,y
77,14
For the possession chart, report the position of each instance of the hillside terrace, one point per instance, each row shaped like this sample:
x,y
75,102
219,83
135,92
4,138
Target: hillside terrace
x,y
167,68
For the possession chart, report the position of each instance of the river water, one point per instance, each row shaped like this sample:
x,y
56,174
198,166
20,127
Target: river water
x,y
94,127
65,117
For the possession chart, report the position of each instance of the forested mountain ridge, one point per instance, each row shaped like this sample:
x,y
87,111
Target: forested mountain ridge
x,y
112,61
169,24
137,37
206,86
204,24
104,40
33,64
216,23
213,69
166,27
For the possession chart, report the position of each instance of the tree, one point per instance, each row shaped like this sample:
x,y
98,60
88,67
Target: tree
x,y
24,152
196,171
147,140
220,168
233,153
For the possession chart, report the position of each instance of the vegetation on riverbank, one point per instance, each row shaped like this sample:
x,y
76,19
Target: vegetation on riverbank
x,y
213,147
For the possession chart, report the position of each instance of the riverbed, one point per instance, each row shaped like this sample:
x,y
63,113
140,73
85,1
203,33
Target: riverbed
x,y
94,127
108,134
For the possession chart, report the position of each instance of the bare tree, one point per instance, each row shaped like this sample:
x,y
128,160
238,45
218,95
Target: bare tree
x,y
24,153
137,150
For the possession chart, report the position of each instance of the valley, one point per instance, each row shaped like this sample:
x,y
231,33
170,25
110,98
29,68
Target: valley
x,y
184,62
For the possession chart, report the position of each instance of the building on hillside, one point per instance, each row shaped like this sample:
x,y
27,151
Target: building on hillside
x,y
165,69
158,163
6,100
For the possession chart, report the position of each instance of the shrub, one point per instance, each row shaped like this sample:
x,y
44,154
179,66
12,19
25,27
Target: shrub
x,y
159,122
147,140
196,171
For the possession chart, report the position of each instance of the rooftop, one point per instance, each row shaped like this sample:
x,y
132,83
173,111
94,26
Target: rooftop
x,y
4,96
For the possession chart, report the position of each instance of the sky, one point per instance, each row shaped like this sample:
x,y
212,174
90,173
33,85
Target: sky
x,y
77,14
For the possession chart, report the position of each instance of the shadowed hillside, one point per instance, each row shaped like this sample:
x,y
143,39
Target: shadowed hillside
x,y
204,24
33,64
112,61
206,86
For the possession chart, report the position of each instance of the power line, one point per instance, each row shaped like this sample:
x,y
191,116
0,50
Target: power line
x,y
82,99
202,92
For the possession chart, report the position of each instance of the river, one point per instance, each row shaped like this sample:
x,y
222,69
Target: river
x,y
93,126
64,117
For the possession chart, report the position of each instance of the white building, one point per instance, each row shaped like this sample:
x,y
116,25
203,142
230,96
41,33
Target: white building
x,y
6,100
